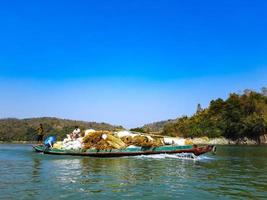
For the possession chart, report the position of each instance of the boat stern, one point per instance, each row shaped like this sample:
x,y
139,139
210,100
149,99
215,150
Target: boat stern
x,y
38,148
201,150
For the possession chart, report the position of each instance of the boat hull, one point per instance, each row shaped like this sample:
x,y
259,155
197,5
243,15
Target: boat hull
x,y
129,151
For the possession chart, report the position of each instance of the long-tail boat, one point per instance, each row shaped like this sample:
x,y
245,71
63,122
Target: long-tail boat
x,y
133,151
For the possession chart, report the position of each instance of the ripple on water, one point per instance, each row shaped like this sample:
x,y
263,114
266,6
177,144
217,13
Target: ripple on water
x,y
232,173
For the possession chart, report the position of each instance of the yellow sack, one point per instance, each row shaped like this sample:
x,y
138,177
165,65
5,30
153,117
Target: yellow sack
x,y
205,138
116,140
188,142
57,145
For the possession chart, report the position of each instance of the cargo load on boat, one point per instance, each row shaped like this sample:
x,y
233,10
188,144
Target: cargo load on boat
x,y
107,140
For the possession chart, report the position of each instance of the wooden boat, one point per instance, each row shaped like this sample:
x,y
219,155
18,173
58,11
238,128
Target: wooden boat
x,y
169,149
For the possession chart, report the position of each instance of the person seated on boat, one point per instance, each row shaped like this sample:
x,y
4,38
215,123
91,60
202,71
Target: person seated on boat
x,y
49,142
76,133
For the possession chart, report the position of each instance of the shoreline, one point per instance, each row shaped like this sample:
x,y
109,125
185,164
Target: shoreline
x,y
223,141
18,142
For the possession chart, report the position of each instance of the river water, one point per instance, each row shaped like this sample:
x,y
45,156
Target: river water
x,y
235,172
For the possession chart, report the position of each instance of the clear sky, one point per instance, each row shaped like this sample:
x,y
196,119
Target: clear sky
x,y
127,62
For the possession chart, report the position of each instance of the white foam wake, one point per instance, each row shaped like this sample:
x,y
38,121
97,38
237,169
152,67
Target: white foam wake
x,y
186,156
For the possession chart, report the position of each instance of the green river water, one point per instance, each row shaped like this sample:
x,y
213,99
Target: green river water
x,y
235,172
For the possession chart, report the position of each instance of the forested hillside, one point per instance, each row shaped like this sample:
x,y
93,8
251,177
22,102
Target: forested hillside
x,y
24,129
240,115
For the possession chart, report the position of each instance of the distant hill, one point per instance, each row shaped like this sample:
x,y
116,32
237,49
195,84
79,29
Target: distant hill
x,y
12,129
154,127
157,126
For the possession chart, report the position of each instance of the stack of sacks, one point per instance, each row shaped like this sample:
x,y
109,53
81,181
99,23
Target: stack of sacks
x,y
102,140
91,139
205,138
88,131
177,141
188,142
70,144
67,139
121,134
158,142
142,140
57,145
168,140
113,141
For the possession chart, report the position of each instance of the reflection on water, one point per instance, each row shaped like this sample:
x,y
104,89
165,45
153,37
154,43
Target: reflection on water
x,y
235,172
36,170
116,174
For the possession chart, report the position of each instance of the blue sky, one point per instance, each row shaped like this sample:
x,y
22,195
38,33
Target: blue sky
x,y
127,62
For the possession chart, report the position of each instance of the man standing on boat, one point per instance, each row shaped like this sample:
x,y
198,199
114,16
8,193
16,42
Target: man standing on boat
x,y
40,134
76,133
